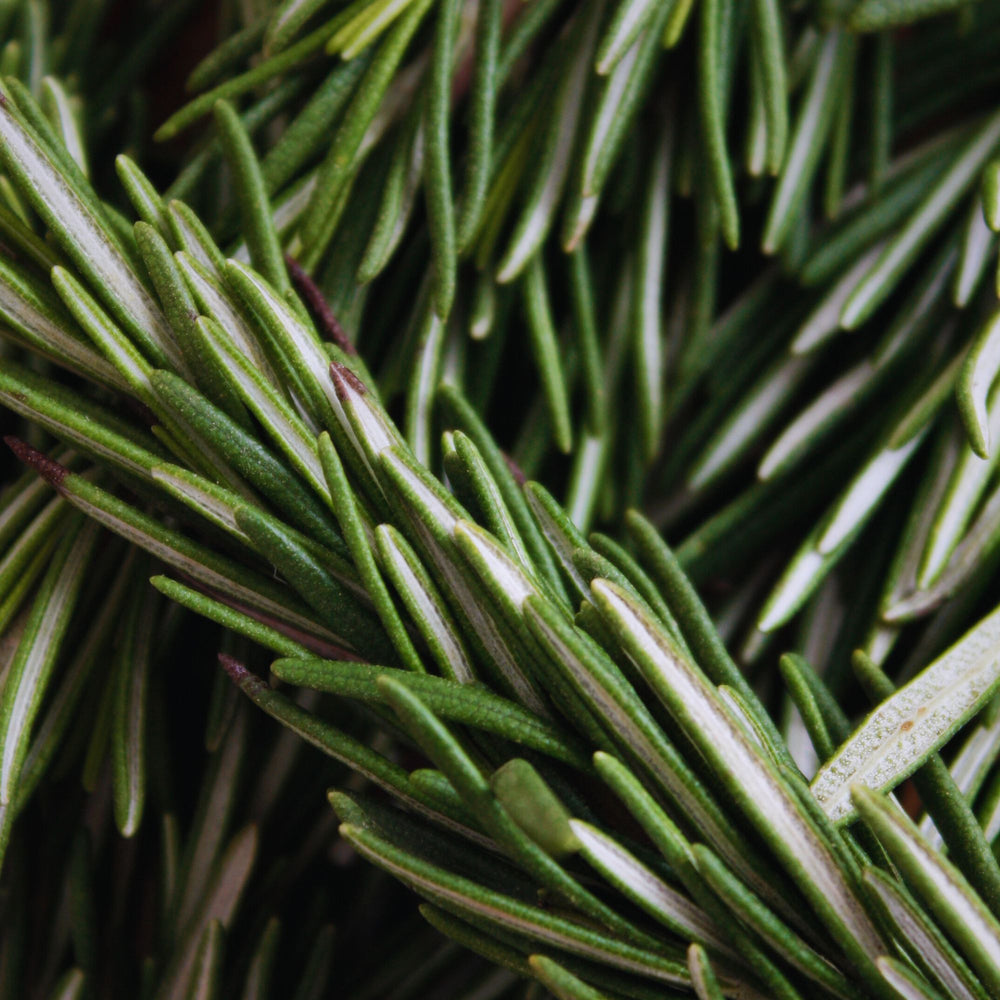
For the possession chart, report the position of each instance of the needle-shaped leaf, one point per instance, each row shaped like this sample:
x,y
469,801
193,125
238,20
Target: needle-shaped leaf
x,y
179,305
142,194
690,613
286,428
615,702
752,415
545,348
885,15
534,807
969,480
979,371
979,542
37,650
449,755
916,721
561,983
648,343
644,887
356,532
265,70
458,411
990,194
605,125
466,897
944,891
977,249
341,159
337,744
904,981
219,903
251,193
229,618
288,18
767,38
84,237
336,607
129,725
437,177
32,315
750,778
249,457
703,978
553,166
469,704
887,271
424,603
711,108
923,940
206,970
809,137
431,333
767,926
108,337
218,574
482,101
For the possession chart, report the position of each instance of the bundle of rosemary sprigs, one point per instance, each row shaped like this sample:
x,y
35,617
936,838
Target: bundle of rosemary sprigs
x,y
501,501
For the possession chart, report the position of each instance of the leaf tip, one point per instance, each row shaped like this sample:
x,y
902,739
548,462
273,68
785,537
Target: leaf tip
x,y
49,469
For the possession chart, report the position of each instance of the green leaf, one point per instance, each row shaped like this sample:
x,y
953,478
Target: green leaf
x,y
532,805
887,271
904,981
39,646
639,883
560,982
469,704
482,100
142,194
944,891
450,757
915,722
33,316
251,194
553,164
249,458
424,603
61,710
342,157
703,978
809,137
977,250
884,15
437,177
129,725
979,371
923,940
767,926
749,777
84,237
336,607
712,111
286,428
545,348
457,894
